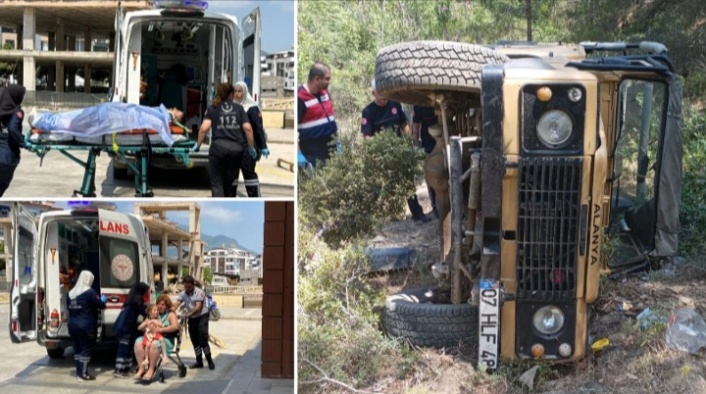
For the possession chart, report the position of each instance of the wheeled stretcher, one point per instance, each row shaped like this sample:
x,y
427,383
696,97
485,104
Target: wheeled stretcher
x,y
139,144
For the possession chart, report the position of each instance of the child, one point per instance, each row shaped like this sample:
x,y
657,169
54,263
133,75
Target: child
x,y
149,325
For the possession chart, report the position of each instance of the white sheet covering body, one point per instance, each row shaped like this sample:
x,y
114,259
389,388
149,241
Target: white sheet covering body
x,y
106,118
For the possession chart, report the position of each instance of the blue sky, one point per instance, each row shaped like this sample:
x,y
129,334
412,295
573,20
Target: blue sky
x,y
241,220
277,19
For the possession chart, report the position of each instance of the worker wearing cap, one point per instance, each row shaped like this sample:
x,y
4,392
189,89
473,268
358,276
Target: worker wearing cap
x,y
383,114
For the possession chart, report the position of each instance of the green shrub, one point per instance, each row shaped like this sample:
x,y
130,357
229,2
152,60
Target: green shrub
x,y
338,327
692,214
360,188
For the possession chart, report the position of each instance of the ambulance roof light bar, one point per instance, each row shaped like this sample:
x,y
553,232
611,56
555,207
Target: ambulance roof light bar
x,y
83,205
181,7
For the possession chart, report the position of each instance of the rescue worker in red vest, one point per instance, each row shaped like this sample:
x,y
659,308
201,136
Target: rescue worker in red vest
x,y
317,126
384,114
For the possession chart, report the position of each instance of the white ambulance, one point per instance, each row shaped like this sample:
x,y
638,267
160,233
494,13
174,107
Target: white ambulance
x,y
176,54
50,251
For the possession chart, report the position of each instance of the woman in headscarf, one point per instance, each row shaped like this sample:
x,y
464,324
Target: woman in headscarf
x,y
84,304
231,138
11,140
126,326
252,183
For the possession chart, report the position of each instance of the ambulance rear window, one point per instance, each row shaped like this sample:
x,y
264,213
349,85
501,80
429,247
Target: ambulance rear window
x,y
119,261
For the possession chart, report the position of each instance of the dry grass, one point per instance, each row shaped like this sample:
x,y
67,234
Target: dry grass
x,y
636,361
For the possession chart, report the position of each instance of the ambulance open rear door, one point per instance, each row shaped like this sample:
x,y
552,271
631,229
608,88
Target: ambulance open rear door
x,y
24,305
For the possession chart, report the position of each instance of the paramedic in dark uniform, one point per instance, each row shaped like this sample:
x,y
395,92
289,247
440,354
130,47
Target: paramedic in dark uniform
x,y
11,139
316,124
195,300
84,304
422,118
250,178
387,114
231,138
126,325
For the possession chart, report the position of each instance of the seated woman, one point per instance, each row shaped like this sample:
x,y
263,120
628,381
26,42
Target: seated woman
x,y
169,331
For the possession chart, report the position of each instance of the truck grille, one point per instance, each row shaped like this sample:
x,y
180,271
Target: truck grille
x,y
548,227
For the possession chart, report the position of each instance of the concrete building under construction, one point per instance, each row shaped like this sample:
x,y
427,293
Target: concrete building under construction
x,y
72,27
166,236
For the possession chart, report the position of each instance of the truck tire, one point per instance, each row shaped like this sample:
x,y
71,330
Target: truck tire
x,y
55,353
412,314
410,71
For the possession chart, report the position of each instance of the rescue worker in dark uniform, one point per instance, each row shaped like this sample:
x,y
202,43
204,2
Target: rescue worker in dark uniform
x,y
126,325
384,114
316,124
231,138
11,140
422,118
251,180
84,304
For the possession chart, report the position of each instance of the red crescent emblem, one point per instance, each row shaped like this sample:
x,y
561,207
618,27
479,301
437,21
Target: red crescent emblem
x,y
394,110
19,114
363,121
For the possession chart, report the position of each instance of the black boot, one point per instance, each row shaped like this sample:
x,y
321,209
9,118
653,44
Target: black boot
x,y
211,365
198,363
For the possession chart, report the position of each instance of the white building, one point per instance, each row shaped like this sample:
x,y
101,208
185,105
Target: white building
x,y
278,71
231,261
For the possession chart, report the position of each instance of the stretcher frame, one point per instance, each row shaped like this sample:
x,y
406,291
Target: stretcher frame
x,y
141,153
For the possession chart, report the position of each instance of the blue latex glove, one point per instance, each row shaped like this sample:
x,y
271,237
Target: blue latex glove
x,y
266,152
196,148
301,159
253,153
339,148
104,298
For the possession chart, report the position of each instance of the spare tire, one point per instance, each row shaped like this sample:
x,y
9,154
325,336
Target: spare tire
x,y
412,314
410,71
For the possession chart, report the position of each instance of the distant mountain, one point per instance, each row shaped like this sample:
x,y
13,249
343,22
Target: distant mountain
x,y
216,241
219,241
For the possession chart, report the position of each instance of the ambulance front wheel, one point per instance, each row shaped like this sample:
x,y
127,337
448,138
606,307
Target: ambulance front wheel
x,y
55,353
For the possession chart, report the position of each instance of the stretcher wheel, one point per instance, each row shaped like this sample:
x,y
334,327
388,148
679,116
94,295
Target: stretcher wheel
x,y
161,377
182,371
149,193
79,194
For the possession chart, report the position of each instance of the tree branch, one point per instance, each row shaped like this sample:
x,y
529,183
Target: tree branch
x,y
325,378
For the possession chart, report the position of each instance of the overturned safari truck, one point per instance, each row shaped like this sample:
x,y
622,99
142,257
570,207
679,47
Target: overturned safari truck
x,y
553,164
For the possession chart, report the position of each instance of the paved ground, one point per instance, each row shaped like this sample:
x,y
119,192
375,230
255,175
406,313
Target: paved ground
x,y
58,176
27,368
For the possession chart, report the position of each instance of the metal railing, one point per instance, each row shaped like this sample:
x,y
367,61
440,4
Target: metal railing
x,y
61,100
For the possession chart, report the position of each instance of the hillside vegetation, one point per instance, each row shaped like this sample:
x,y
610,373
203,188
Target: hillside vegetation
x,y
341,347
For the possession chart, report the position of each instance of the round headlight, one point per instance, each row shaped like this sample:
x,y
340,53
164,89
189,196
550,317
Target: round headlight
x,y
548,320
554,128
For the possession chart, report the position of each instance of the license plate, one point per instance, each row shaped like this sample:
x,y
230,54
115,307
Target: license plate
x,y
489,324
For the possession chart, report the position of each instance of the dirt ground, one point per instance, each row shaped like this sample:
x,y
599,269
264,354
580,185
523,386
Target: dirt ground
x,y
636,360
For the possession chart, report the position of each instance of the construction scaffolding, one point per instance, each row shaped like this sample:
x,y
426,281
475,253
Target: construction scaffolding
x,y
164,233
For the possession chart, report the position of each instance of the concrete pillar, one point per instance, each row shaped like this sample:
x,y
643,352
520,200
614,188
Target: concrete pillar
x,y
163,253
52,40
51,78
60,35
87,78
29,29
29,73
87,44
60,77
60,46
